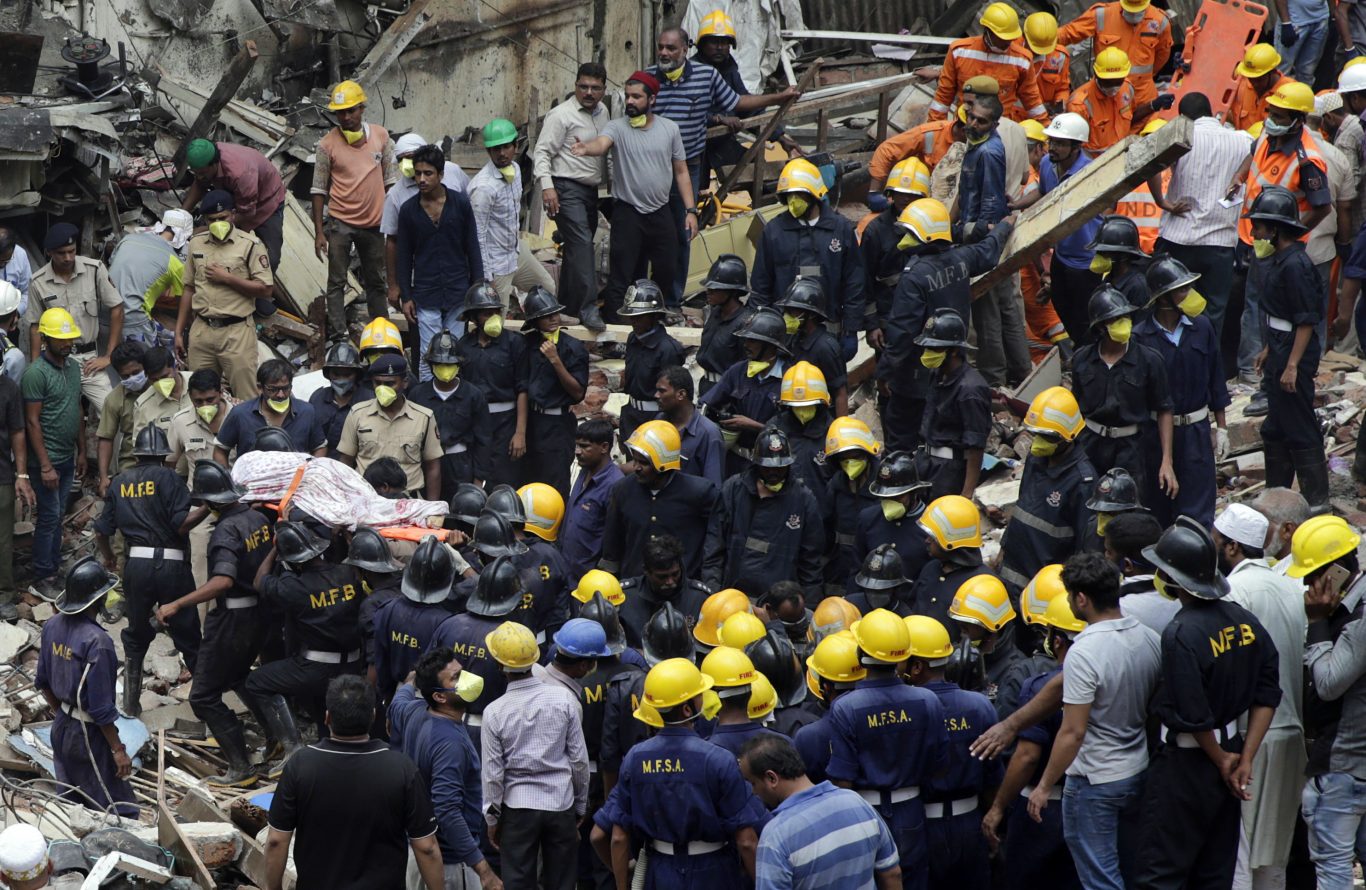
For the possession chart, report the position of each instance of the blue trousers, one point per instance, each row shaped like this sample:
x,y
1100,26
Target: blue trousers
x,y
1036,854
1100,823
47,529
958,852
83,758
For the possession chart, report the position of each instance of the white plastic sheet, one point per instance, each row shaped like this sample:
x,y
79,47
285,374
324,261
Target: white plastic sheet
x,y
330,491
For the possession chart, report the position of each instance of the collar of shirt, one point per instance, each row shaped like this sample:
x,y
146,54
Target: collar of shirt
x,y
801,797
656,492
1110,625
523,682
879,681
604,476
403,411
261,404
950,378
677,729
47,273
650,338
692,427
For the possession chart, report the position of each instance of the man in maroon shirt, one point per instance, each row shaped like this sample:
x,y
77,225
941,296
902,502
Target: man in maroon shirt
x,y
255,184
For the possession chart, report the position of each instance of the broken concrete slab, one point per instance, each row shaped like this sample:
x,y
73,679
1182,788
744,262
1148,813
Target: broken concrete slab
x,y
217,844
165,667
13,640
43,612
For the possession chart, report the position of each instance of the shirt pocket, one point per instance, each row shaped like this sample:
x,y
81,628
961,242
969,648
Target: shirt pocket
x,y
412,452
369,449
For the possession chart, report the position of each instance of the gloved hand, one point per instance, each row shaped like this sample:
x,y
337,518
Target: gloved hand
x,y
1288,35
1164,101
848,345
877,202
1221,445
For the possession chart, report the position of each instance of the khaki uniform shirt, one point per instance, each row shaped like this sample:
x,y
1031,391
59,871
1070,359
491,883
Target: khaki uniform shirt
x,y
151,407
243,255
82,296
192,439
409,438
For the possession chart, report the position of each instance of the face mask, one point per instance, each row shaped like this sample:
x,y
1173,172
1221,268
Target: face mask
x,y
933,358
1102,520
494,326
893,510
798,206
1041,447
385,395
1109,91
907,242
469,686
220,229
353,136
977,140
279,406
1120,329
1132,18
754,369
165,386
405,167
207,413
445,373
342,387
509,172
1193,304
775,487
1271,128
805,412
135,383
1263,248
637,120
853,466
791,322
1161,584
675,74
552,336
711,704
1101,264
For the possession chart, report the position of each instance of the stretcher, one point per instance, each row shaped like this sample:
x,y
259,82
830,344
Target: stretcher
x,y
1215,43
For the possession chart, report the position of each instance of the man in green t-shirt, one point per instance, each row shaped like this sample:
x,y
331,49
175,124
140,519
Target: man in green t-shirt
x,y
51,388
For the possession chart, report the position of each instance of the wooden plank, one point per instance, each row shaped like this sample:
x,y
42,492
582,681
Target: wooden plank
x,y
1092,191
172,838
810,105
617,333
391,45
302,277
867,37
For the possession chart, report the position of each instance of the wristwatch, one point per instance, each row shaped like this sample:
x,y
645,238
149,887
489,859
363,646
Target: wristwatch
x,y
693,211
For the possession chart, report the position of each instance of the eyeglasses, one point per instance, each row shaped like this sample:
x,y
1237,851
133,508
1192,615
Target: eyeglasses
x,y
282,389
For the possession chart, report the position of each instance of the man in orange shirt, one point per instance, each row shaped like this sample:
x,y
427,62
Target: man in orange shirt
x,y
1108,101
996,54
1135,26
1258,79
355,166
928,142
1052,65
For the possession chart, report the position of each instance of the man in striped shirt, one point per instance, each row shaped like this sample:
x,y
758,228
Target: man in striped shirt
x,y
820,835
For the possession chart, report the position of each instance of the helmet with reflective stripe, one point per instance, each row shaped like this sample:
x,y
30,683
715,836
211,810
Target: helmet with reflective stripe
x,y
1258,59
714,612
1041,589
803,384
982,600
1055,410
850,434
716,25
953,521
910,176
659,443
800,175
544,507
927,219
380,333
832,615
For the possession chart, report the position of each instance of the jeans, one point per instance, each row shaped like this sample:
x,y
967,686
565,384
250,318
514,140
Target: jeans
x,y
369,244
1333,805
1300,60
1099,823
47,528
1214,265
431,322
674,296
577,222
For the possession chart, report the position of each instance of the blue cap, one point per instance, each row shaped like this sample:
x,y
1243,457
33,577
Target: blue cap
x,y
389,365
60,235
582,638
216,201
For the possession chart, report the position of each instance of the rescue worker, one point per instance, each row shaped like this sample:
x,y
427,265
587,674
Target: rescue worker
x,y
952,824
1137,27
887,739
769,524
733,678
150,506
1219,666
1052,65
236,627
804,416
406,625
649,350
746,396
701,832
1069,280
391,425
1116,492
851,452
804,319
928,143
704,451
557,379
958,412
379,337
345,389
811,240
994,53
1140,206
544,569
1108,102
1118,385
880,235
75,674
776,659
832,670
657,499
953,540
1188,346
1034,599
1259,76
496,365
882,582
1053,490
605,584
381,578
716,610
321,604
726,283
982,612
464,425
895,519
739,630
662,582
1120,261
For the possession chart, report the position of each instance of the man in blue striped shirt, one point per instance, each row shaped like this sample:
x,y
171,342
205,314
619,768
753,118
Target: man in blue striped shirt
x,y
820,835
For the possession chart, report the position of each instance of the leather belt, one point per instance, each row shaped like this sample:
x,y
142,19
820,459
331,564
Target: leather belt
x,y
643,405
943,452
156,553
1188,419
1187,739
959,807
501,407
474,719
1279,324
239,602
222,322
549,412
882,798
458,448
692,848
322,657
1112,432
76,713
1054,793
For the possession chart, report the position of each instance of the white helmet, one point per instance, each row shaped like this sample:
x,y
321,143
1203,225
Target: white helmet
x,y
1068,126
10,298
1352,79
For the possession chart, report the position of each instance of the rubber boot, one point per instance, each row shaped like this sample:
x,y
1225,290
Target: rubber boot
x,y
1311,466
232,741
1280,468
132,686
280,723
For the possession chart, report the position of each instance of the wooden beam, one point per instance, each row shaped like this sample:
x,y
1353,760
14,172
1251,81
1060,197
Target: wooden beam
x,y
810,106
867,37
617,333
172,838
391,45
1090,192
228,84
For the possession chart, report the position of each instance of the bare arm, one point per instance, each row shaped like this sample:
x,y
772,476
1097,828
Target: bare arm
x,y
277,854
1065,748
747,844
999,737
428,856
889,879
973,472
621,857
593,148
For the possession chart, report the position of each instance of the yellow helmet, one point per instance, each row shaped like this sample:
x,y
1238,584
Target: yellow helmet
x,y
929,639
598,581
1034,130
1152,126
800,175
953,521
672,682
716,24
1002,20
1041,33
883,636
513,645
544,507
763,698
803,384
1254,129
1258,59
1042,589
836,659
1134,5
347,94
1112,63
832,615
1293,96
380,333
715,610
927,219
58,324
910,176
1059,616
649,715
849,434
1318,542
1055,410
741,629
728,668
659,442
982,600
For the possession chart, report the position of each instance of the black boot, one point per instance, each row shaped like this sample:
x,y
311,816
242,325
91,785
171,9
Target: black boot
x,y
280,723
132,685
1280,469
232,741
1311,466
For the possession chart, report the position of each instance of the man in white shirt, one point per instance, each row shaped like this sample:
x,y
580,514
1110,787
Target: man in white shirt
x,y
452,177
1285,511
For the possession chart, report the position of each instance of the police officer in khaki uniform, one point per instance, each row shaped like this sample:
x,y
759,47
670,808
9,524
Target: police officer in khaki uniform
x,y
191,433
81,286
226,271
391,426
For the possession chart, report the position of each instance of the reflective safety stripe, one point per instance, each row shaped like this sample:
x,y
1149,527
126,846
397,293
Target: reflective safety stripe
x,y
1011,576
321,657
943,452
1140,69
458,448
938,106
978,55
643,405
156,553
757,545
1024,517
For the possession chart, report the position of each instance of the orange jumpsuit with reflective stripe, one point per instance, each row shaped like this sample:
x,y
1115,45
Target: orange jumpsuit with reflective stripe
x,y
1013,70
1283,169
1148,44
1249,106
1140,207
1054,74
930,142
1043,328
1111,117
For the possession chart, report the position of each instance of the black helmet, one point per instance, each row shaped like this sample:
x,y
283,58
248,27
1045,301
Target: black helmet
x,y
600,610
480,296
766,326
444,349
943,329
1107,304
430,573
728,273
539,303
1276,204
504,500
882,569
805,294
294,543
1117,234
151,442
213,484
272,438
370,552
666,636
642,298
494,535
897,474
1166,274
1186,554
467,503
86,584
1116,492
498,591
771,449
774,657
343,354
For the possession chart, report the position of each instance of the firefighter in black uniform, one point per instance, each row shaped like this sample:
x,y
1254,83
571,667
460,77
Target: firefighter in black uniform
x,y
981,611
958,411
343,368
953,529
150,504
776,658
497,365
727,282
407,624
882,583
1121,262
662,582
463,421
649,350
851,453
1218,665
746,397
545,574
236,627
895,518
883,259
1115,493
804,415
1119,384
557,378
804,320
322,604
369,554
